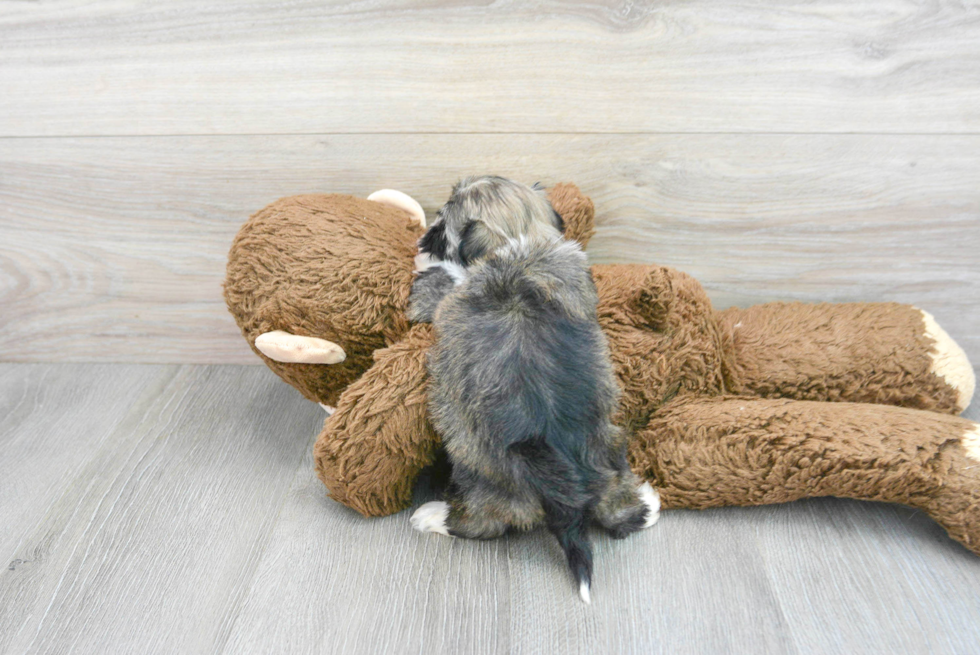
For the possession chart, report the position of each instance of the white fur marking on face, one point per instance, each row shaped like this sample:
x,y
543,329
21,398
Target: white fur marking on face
x,y
950,362
285,347
431,517
424,261
651,499
583,591
971,442
402,201
328,409
456,272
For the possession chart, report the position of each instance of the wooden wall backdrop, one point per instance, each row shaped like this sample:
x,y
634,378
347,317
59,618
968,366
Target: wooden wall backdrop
x,y
776,150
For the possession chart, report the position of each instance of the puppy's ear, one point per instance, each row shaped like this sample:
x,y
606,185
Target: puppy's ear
x,y
434,241
556,218
559,222
471,245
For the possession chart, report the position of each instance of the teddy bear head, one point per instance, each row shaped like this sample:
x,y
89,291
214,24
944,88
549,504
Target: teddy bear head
x,y
336,271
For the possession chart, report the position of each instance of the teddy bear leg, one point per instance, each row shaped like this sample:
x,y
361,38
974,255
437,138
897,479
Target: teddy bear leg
x,y
882,353
958,504
712,452
378,439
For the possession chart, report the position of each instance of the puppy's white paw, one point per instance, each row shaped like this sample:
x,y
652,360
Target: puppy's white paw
x,y
651,499
431,517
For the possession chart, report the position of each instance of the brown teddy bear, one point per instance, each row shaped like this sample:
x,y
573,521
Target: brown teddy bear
x,y
738,407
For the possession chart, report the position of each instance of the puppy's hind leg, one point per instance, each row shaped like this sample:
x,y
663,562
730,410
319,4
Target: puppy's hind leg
x,y
472,516
626,506
431,517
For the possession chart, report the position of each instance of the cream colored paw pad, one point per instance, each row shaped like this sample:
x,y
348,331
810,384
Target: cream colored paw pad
x,y
971,442
400,200
282,346
950,362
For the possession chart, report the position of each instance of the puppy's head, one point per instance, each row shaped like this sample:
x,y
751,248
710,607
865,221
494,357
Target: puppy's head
x,y
484,213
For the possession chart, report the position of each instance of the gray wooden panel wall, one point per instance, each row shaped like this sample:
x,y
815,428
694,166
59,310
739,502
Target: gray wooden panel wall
x,y
775,150
184,67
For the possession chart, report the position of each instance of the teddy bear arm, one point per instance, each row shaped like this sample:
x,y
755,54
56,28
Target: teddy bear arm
x,y
720,451
378,439
640,295
883,353
576,210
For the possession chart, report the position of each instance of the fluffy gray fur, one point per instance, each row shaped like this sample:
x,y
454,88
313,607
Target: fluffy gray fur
x,y
522,388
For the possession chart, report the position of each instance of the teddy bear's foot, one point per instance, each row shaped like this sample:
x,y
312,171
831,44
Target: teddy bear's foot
x,y
957,506
950,362
971,443
718,451
881,353
431,517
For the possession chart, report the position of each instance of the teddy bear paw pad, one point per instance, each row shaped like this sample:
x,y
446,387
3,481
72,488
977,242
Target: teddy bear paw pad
x,y
950,362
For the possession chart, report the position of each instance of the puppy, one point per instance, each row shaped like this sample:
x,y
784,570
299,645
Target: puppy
x,y
522,387
482,214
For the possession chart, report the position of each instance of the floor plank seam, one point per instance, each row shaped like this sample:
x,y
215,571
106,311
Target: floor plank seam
x,y
261,554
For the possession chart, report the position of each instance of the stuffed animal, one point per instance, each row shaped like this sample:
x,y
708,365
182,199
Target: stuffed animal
x,y
737,407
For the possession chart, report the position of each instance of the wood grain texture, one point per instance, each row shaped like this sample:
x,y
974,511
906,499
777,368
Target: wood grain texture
x,y
55,424
85,68
148,542
816,576
113,249
184,516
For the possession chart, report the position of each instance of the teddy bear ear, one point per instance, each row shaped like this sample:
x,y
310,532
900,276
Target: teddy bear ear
x,y
282,346
402,201
575,210
653,298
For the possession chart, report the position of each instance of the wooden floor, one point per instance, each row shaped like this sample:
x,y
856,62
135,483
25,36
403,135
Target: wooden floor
x,y
157,495
174,509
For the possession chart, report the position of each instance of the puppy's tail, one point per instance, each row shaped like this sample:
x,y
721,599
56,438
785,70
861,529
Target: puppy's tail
x,y
568,524
561,486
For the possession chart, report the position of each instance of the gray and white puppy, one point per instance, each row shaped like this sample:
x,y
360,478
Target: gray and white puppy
x,y
482,214
522,388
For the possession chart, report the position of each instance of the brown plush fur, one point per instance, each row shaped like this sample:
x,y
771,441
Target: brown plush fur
x,y
709,452
793,350
298,265
723,408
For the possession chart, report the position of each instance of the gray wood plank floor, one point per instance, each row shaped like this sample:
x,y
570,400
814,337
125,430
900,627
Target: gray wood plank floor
x,y
163,509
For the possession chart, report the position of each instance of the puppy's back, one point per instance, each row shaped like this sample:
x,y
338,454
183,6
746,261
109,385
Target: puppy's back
x,y
520,356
